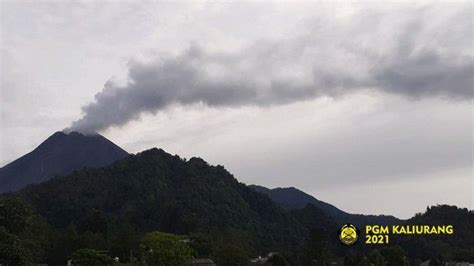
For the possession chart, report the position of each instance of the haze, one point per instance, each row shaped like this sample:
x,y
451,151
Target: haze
x,y
366,106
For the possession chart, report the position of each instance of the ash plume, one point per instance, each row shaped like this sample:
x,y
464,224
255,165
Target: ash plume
x,y
373,52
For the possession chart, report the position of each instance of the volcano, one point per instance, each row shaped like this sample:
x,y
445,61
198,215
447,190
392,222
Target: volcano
x,y
60,154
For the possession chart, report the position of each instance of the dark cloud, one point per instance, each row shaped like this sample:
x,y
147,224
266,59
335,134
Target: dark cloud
x,y
416,63
428,74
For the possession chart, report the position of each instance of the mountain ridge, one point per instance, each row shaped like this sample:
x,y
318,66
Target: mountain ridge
x,y
291,198
60,154
154,190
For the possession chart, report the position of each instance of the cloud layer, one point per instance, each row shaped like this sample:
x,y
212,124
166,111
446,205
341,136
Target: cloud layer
x,y
379,140
412,52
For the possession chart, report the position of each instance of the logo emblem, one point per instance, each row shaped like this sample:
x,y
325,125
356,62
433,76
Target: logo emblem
x,y
348,234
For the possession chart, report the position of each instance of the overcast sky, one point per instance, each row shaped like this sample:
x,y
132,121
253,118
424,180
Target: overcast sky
x,y
365,106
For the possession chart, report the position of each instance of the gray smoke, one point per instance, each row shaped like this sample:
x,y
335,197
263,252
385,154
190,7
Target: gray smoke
x,y
375,52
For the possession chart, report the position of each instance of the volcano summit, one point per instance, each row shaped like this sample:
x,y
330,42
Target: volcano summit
x,y
60,154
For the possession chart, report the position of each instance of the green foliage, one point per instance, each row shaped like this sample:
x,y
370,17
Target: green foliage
x,y
23,234
125,242
456,247
15,215
12,250
435,262
363,262
90,257
159,248
349,259
63,243
112,208
376,259
203,244
320,244
278,260
154,190
394,255
229,254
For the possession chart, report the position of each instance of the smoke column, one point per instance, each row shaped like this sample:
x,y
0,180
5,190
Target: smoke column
x,y
414,60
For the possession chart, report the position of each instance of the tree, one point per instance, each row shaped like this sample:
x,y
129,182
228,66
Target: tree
x,y
15,215
63,244
278,260
157,191
364,262
90,257
435,262
202,244
229,255
377,259
12,251
125,242
350,259
317,247
23,234
395,255
159,248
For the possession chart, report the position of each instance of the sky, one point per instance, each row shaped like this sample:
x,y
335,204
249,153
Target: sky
x,y
366,106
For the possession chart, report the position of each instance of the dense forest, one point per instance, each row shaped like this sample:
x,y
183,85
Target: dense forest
x,y
154,207
458,247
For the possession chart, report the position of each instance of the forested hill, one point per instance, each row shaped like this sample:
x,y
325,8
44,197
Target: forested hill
x,y
293,199
114,207
456,247
154,190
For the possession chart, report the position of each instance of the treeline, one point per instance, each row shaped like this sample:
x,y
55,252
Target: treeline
x,y
112,208
456,247
26,239
111,212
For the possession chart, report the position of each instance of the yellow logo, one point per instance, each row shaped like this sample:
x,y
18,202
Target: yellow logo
x,y
348,234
